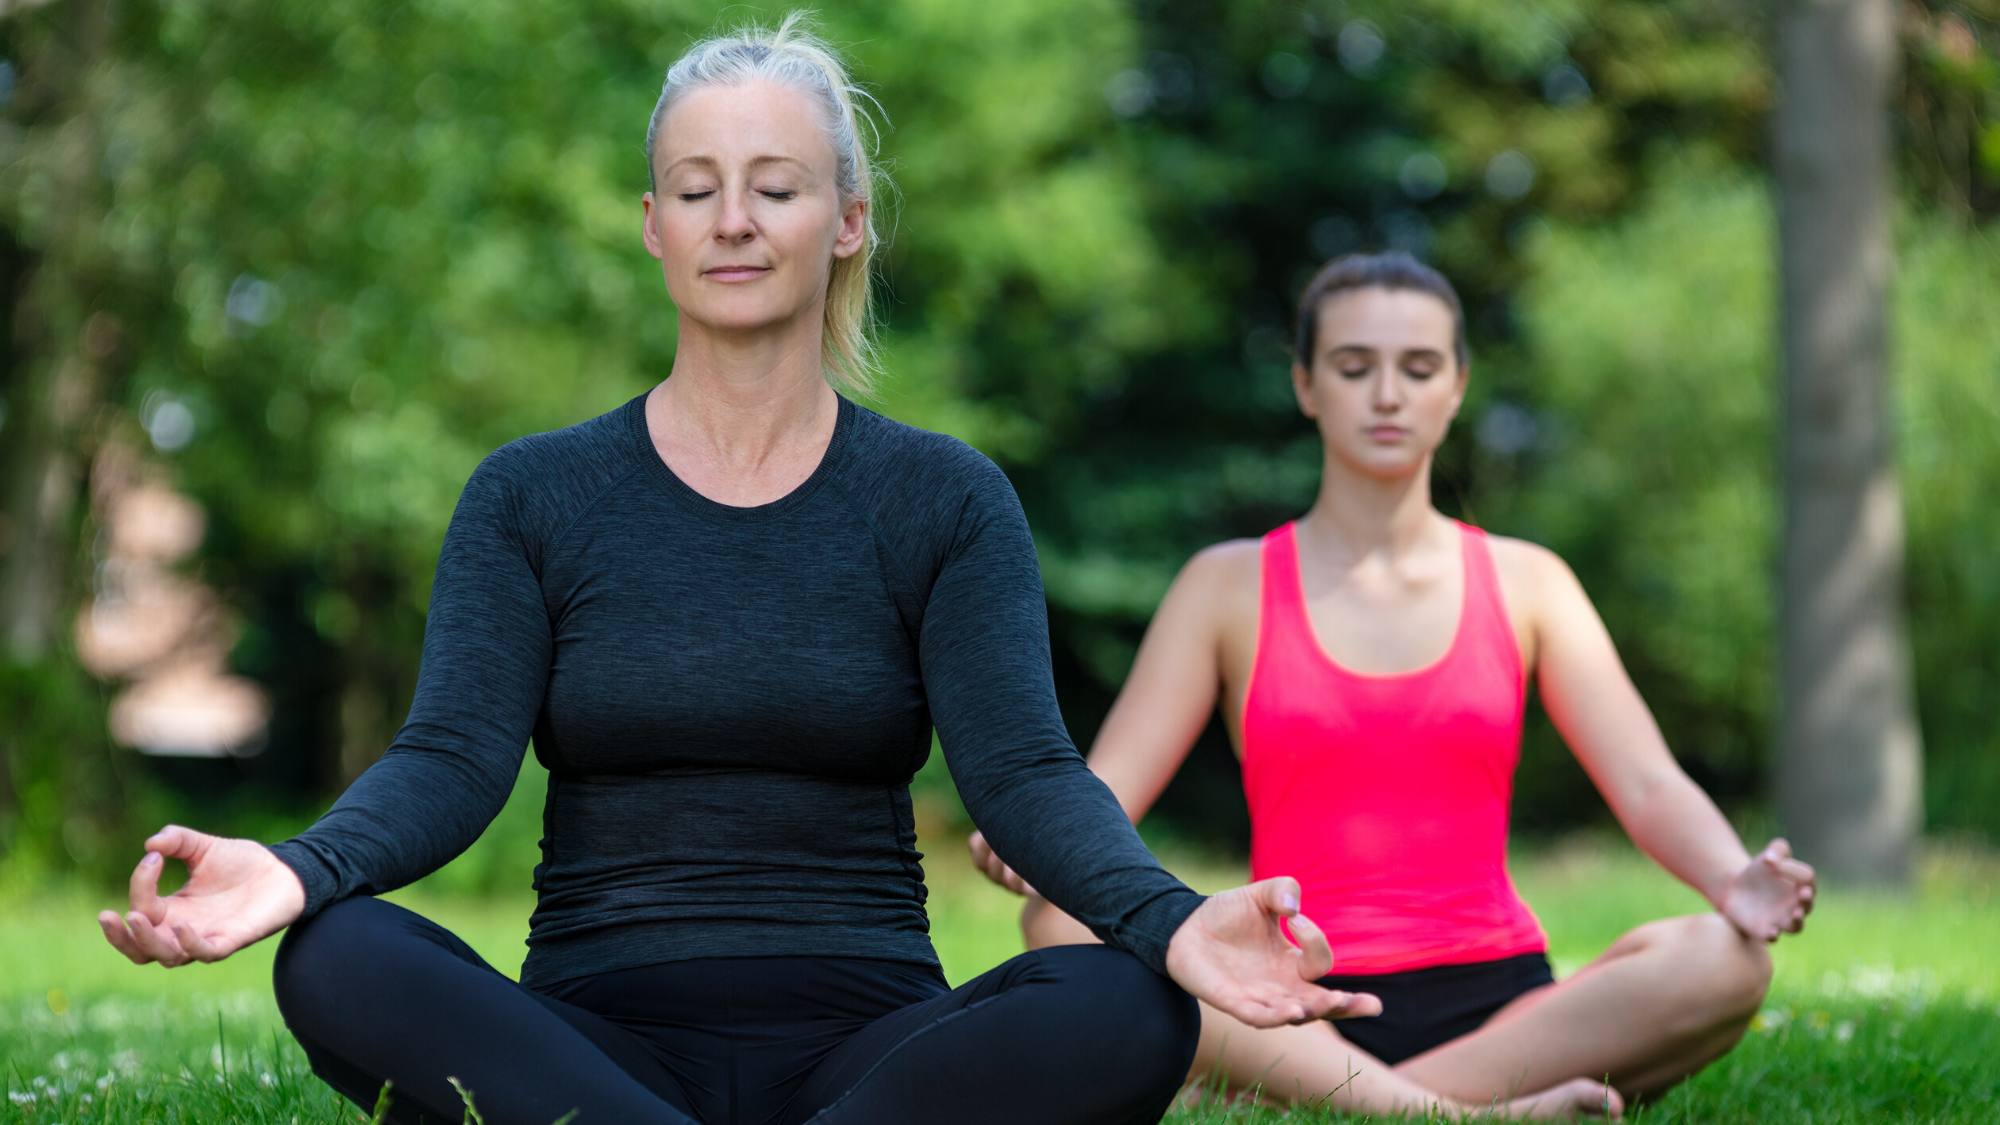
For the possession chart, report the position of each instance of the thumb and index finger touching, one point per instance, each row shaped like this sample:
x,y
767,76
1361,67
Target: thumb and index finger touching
x,y
1281,899
171,842
1778,857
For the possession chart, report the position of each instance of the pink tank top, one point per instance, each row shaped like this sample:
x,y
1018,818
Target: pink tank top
x,y
1386,796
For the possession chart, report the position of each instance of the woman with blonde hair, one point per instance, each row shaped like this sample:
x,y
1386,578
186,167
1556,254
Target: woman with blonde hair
x,y
730,614
1372,660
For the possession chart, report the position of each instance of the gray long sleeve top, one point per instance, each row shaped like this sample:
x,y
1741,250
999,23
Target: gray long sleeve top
x,y
731,703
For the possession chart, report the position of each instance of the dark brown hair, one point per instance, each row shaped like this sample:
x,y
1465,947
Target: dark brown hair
x,y
1393,270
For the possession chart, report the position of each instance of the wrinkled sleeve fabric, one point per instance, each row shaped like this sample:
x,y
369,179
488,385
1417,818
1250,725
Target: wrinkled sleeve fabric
x,y
984,649
450,769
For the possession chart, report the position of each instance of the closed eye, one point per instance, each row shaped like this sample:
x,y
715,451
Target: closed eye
x,y
692,196
780,196
1423,365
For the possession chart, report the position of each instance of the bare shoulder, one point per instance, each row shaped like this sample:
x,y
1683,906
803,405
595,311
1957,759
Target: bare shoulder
x,y
1221,577
1229,563
1518,559
1532,577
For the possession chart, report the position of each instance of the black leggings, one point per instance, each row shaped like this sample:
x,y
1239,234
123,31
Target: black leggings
x,y
1071,1034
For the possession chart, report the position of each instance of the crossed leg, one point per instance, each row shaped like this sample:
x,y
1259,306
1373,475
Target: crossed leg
x,y
1079,1036
1665,1000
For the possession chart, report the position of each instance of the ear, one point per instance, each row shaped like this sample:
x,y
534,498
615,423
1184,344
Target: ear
x,y
1458,391
648,233
1302,388
853,229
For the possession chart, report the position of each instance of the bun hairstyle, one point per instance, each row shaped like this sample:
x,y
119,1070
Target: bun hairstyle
x,y
1394,270
791,55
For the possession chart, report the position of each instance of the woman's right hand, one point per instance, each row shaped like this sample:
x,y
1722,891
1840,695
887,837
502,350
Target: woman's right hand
x,y
237,893
993,867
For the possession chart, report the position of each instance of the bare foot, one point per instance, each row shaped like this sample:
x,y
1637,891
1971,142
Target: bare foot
x,y
1579,1097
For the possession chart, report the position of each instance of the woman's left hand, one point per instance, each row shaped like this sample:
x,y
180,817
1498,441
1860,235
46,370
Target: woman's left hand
x,y
1772,895
1232,954
993,867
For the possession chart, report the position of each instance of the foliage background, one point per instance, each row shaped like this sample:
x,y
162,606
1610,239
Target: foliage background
x,y
364,242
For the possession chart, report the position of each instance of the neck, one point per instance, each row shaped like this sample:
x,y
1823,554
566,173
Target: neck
x,y
740,398
1358,514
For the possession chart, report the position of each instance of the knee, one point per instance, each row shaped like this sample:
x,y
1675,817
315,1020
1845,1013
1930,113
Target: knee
x,y
1727,974
320,959
1153,1025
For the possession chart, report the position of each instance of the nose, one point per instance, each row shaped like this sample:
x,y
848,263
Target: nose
x,y
1385,391
733,226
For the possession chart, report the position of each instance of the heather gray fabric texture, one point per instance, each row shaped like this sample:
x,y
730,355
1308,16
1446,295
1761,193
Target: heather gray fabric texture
x,y
731,703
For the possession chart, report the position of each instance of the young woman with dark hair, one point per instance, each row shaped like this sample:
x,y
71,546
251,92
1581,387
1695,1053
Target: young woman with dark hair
x,y
1372,660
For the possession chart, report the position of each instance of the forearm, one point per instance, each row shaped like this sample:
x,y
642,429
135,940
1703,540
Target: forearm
x,y
1677,824
406,816
1060,828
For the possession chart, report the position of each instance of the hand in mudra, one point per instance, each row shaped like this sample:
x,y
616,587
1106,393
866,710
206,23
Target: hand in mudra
x,y
1232,954
993,867
1772,895
237,893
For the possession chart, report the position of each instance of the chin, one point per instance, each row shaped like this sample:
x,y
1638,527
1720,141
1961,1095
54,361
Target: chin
x,y
740,316
1390,467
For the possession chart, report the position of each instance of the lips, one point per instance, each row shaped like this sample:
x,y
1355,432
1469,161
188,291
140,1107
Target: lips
x,y
735,273
1387,433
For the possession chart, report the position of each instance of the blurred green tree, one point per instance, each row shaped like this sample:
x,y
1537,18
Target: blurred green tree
x,y
364,242
1274,135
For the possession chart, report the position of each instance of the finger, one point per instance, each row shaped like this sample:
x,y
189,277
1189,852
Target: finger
x,y
145,887
155,942
989,862
1267,1006
119,937
1333,1004
1793,870
1315,954
1265,1013
1354,1005
176,842
1278,896
200,948
1614,1104
1779,848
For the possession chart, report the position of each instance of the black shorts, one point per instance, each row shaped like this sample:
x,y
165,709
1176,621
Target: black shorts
x,y
1422,1008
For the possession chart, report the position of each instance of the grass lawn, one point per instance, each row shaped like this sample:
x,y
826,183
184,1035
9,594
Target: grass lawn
x,y
1886,1010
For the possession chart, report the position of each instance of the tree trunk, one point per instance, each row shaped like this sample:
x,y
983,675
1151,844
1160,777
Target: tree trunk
x,y
1849,756
49,389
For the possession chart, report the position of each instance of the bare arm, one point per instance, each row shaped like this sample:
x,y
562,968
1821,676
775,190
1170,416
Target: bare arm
x,y
1599,713
1170,693
1162,709
1172,689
